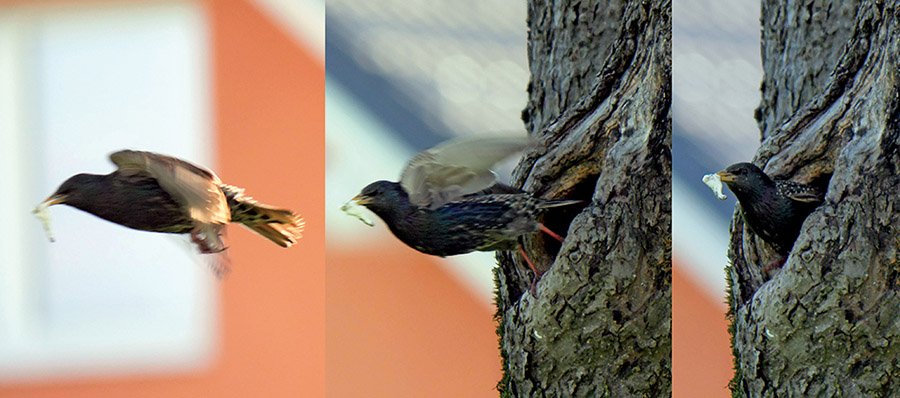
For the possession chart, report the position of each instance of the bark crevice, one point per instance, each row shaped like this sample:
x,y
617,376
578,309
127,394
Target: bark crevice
x,y
600,321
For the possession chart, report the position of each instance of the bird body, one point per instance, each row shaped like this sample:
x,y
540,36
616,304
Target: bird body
x,y
158,193
138,202
448,202
774,209
473,223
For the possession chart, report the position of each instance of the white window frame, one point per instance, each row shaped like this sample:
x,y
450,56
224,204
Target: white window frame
x,y
32,345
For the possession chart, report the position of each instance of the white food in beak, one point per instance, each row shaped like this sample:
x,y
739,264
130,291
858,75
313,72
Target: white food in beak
x,y
43,214
353,208
714,182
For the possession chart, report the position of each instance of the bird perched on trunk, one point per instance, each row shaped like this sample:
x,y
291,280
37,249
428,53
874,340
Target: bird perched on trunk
x,y
158,193
773,209
448,200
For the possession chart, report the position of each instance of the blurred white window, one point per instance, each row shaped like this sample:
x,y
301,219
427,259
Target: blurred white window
x,y
77,82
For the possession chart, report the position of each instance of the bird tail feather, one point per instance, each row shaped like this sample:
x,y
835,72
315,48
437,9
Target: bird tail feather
x,y
281,226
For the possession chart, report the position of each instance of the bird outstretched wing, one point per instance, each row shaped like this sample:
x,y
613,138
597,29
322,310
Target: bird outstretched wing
x,y
193,187
456,168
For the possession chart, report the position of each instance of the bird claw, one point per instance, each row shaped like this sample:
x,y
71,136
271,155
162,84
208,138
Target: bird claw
x,y
220,265
533,287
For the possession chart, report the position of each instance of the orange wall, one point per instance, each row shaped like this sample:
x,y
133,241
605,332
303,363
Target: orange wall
x,y
269,122
701,352
400,326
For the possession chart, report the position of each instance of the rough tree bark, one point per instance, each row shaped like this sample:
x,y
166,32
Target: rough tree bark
x,y
600,321
828,323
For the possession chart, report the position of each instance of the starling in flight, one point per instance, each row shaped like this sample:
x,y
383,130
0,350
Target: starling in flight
x,y
448,201
158,193
773,209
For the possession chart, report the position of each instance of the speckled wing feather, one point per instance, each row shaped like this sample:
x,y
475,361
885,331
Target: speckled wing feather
x,y
456,168
194,187
488,222
800,192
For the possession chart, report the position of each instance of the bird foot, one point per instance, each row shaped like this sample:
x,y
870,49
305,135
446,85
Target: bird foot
x,y
537,273
773,265
220,265
199,238
533,287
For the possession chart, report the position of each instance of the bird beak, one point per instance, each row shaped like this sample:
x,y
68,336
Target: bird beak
x,y
54,199
361,200
725,176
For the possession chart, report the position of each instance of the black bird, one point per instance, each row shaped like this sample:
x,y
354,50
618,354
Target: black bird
x,y
773,209
446,202
158,193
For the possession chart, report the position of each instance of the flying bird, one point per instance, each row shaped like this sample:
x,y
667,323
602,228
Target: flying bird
x,y
449,202
774,209
159,193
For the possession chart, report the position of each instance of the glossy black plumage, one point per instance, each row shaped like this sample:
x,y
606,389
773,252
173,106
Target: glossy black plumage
x,y
773,209
478,222
158,193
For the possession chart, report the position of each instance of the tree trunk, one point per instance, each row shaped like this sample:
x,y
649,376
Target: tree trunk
x,y
828,322
599,323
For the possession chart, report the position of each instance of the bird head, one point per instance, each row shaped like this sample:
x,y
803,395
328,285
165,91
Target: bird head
x,y
745,178
382,197
71,191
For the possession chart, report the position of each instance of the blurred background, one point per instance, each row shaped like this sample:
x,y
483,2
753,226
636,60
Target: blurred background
x,y
403,76
108,311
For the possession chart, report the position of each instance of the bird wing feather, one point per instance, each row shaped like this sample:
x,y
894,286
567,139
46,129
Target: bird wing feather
x,y
456,168
193,187
800,192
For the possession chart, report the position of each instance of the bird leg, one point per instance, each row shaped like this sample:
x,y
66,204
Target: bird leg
x,y
219,263
551,233
537,273
202,240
